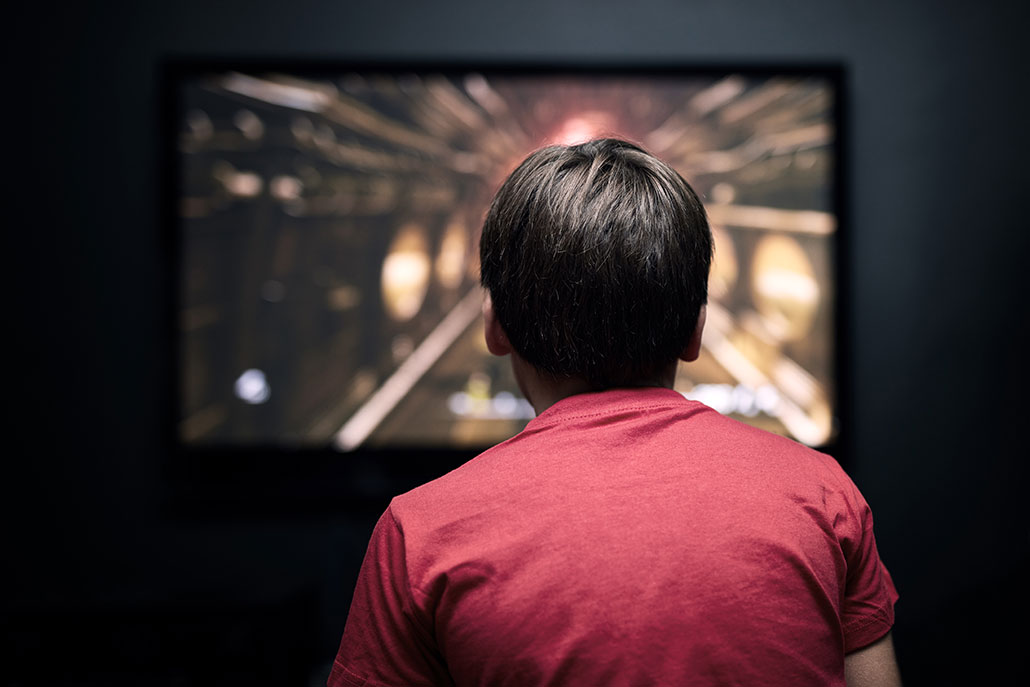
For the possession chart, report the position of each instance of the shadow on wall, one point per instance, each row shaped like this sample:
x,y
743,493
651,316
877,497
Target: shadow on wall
x,y
169,645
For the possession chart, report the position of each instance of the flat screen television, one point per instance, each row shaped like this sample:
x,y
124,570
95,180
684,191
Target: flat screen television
x,y
323,220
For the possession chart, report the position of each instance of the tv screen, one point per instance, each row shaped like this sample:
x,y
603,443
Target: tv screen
x,y
325,226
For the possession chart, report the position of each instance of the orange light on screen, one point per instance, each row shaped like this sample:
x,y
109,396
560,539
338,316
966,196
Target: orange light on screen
x,y
583,127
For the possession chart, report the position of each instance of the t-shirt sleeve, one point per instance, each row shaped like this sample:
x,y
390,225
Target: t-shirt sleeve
x,y
867,610
386,640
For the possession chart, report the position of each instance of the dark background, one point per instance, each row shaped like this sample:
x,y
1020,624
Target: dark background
x,y
106,586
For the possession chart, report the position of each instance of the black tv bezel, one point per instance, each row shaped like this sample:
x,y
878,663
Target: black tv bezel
x,y
230,481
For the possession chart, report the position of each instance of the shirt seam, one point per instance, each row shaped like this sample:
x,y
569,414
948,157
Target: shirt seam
x,y
881,614
409,585
558,418
361,679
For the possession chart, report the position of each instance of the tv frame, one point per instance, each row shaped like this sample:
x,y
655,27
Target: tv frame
x,y
230,481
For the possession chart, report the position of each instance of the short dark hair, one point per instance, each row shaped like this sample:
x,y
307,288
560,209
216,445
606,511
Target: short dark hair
x,y
596,257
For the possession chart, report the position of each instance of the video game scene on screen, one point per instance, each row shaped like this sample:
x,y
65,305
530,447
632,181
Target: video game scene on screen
x,y
328,242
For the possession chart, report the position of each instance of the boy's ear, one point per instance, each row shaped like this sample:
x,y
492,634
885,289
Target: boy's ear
x,y
693,349
496,340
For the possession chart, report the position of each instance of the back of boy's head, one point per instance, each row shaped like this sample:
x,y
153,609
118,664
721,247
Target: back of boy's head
x,y
596,257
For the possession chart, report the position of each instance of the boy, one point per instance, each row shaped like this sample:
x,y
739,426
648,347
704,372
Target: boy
x,y
627,536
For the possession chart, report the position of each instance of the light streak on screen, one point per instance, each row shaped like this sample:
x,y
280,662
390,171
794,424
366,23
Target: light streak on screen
x,y
327,227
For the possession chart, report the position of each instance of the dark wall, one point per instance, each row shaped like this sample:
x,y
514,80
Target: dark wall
x,y
106,583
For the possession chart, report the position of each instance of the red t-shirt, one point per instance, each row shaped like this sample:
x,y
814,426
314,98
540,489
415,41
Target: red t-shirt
x,y
629,537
